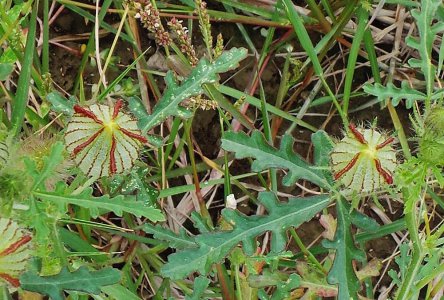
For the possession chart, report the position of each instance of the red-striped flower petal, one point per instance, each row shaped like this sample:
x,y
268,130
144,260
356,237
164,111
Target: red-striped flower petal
x,y
15,251
102,140
363,160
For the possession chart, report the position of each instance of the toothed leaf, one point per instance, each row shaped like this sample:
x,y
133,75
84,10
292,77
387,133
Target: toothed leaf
x,y
214,246
82,280
405,92
176,241
342,272
118,204
424,20
50,163
205,72
60,104
200,285
267,157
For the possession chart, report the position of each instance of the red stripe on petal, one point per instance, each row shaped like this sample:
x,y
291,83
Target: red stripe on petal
x,y
14,246
117,108
134,135
357,134
347,167
386,175
385,143
86,113
14,281
89,141
112,157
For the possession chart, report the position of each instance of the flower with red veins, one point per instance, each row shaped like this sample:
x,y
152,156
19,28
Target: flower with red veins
x,y
15,251
102,140
364,159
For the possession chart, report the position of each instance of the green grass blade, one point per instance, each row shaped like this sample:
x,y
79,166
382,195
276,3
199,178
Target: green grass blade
x,y
120,77
21,98
306,43
352,57
372,58
303,36
271,109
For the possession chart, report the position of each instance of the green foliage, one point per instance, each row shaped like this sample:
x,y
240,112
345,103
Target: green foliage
x,y
431,143
60,104
428,28
205,72
4,293
117,291
13,188
323,145
342,272
283,289
214,246
50,163
98,205
267,156
21,97
180,241
424,17
200,284
82,280
403,260
429,269
315,281
133,184
5,70
405,92
47,196
284,284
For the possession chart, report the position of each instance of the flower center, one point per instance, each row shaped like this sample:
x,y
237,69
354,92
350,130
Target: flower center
x,y
110,126
370,152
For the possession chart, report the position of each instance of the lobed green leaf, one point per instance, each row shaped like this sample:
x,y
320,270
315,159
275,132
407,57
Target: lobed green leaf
x,y
214,246
176,241
427,30
118,204
405,92
342,272
267,156
204,72
82,280
200,285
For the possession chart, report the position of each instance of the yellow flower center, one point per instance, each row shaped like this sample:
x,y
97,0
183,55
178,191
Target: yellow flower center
x,y
110,126
370,152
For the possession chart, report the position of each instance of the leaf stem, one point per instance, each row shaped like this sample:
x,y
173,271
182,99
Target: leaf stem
x,y
400,130
306,252
238,286
203,208
417,253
